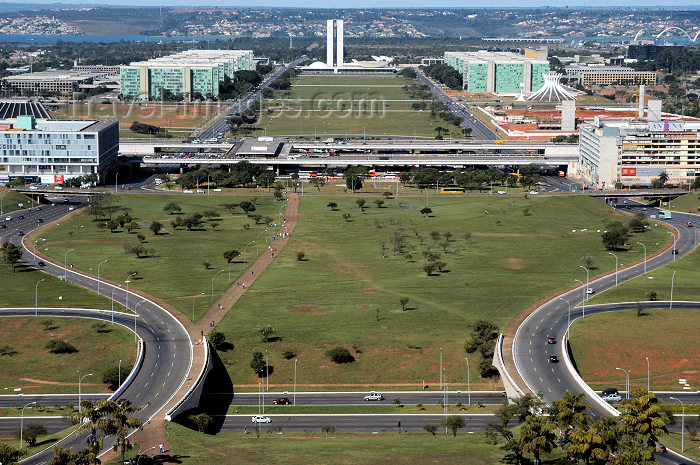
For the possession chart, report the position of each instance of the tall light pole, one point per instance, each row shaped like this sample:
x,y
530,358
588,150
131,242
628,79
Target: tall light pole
x,y
568,321
212,283
257,243
675,251
673,276
267,373
194,297
627,375
645,256
21,424
587,279
98,275
114,288
135,315
440,367
127,290
65,264
244,250
647,359
120,372
682,421
294,401
469,389
80,380
616,261
144,453
584,298
36,298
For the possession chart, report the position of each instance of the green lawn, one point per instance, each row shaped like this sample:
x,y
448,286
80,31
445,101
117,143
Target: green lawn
x,y
11,200
689,202
518,252
34,369
348,105
42,441
176,274
603,342
691,447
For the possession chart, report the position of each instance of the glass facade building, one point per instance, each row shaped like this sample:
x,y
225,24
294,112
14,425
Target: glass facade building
x,y
485,71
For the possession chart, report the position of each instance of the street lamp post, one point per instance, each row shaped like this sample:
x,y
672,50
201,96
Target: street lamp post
x,y
257,243
294,401
120,372
647,359
135,315
440,367
675,251
682,422
673,276
98,275
114,288
212,283
610,253
584,298
127,290
65,265
80,380
587,279
469,389
21,424
645,256
36,298
627,376
267,373
194,297
144,453
244,250
568,321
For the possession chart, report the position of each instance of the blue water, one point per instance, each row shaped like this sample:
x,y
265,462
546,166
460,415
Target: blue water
x,y
29,39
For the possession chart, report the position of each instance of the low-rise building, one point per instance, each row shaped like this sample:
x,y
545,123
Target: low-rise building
x,y
607,75
636,152
51,151
51,81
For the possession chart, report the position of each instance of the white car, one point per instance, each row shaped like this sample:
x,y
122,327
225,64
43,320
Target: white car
x,y
534,193
502,193
200,191
58,188
187,191
374,396
260,419
8,218
590,291
71,208
612,397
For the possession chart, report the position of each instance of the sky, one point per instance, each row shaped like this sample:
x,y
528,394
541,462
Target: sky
x,y
380,4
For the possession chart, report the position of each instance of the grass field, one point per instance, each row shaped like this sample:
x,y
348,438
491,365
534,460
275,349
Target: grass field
x,y
34,369
345,293
42,441
689,202
176,274
601,343
348,105
691,448
11,200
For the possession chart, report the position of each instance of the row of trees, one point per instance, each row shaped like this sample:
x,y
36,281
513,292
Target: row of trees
x,y
617,234
445,74
472,179
241,174
143,128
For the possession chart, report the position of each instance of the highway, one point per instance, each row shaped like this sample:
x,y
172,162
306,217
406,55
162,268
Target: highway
x,y
530,348
167,346
479,129
221,125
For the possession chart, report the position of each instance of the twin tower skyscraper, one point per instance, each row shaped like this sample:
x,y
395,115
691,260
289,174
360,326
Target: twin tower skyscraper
x,y
337,25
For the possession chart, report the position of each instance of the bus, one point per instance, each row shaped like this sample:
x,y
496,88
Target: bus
x,y
664,215
451,190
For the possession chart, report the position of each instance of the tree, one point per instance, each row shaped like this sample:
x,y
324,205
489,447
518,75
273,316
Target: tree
x,y
346,217
643,417
231,255
454,422
206,264
56,345
217,339
403,301
230,207
361,203
588,261
258,364
266,332
568,414
332,205
594,443
111,376
300,255
155,227
353,177
201,421
328,429
66,457
119,421
113,224
638,223
340,355
31,432
426,211
536,437
11,254
92,416
130,226
431,428
429,267
247,206
616,236
9,455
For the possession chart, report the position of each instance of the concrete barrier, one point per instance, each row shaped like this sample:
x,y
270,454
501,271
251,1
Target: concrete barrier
x,y
512,389
191,398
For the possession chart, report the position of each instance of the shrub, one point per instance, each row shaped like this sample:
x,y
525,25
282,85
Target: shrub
x,y
7,350
340,355
111,376
289,354
202,421
56,345
217,339
300,255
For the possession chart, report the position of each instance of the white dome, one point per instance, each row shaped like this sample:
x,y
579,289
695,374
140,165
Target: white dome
x,y
318,65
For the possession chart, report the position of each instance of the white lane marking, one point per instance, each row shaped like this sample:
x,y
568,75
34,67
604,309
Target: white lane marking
x,y
541,380
549,390
156,394
552,370
529,350
534,368
537,327
558,380
168,373
152,375
146,385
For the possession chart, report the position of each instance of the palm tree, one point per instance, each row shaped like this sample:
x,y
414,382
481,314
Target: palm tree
x,y
119,423
92,417
663,178
569,413
537,437
594,443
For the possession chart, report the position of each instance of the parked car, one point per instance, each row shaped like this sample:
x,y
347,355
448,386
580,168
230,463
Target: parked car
x,y
261,419
551,340
374,396
282,401
553,359
612,398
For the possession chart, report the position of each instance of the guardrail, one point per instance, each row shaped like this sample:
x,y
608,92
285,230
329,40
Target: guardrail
x,y
508,380
134,371
186,401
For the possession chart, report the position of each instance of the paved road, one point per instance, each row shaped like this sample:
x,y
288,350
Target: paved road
x,y
356,398
531,352
479,130
167,345
48,400
221,125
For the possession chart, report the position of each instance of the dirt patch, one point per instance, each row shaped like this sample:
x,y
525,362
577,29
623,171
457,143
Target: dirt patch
x,y
531,236
363,306
514,264
306,309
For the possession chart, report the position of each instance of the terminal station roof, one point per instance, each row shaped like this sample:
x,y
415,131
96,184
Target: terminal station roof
x,y
14,108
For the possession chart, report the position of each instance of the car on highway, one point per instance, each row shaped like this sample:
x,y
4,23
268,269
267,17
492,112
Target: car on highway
x,y
187,191
8,218
39,220
551,340
374,396
282,401
534,193
58,188
502,193
200,191
20,233
674,251
690,225
38,209
71,208
553,359
612,397
260,419
21,217
590,290
41,263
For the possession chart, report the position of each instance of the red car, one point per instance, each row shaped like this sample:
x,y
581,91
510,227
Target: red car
x,y
282,401
551,340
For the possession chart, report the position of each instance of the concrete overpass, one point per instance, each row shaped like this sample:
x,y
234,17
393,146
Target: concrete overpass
x,y
654,193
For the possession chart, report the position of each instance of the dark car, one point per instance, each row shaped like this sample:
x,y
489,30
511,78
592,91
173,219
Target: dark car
x,y
20,233
21,217
41,263
553,359
610,390
39,220
690,225
551,340
674,251
282,401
